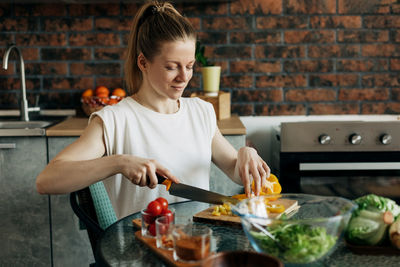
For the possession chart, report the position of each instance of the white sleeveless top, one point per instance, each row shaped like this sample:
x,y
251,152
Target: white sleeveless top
x,y
181,142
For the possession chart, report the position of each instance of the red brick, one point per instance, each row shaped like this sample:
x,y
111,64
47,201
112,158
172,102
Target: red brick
x,y
396,8
113,24
46,68
310,95
333,79
395,94
110,82
333,108
196,23
67,24
382,22
227,23
65,54
248,66
362,36
274,95
98,9
380,80
62,83
396,36
277,51
335,22
350,65
193,9
280,109
6,38
129,9
40,10
228,52
110,53
35,39
95,69
10,68
295,37
8,100
94,39
18,24
6,10
394,64
30,53
287,22
308,66
255,37
213,37
242,81
14,83
242,109
311,6
258,7
281,81
194,82
362,7
362,94
328,51
380,108
380,50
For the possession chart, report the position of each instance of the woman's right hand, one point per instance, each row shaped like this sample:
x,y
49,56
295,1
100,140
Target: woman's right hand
x,y
142,171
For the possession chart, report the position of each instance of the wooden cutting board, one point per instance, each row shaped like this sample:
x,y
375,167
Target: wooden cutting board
x,y
233,220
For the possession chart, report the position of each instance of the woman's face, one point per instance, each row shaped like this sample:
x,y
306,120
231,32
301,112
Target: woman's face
x,y
171,70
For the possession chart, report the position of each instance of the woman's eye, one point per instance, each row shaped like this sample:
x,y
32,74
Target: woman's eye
x,y
189,67
170,68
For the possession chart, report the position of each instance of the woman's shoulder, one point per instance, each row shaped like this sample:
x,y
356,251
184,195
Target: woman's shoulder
x,y
196,102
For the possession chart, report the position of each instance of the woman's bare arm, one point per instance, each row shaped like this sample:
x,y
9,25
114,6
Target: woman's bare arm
x,y
241,166
82,163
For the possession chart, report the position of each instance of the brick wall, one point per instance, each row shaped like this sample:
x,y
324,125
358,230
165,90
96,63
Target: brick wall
x,y
279,57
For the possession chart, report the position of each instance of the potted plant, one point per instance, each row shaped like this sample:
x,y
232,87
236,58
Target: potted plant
x,y
210,73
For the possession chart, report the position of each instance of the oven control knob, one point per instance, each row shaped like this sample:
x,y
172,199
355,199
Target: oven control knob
x,y
386,139
324,139
355,139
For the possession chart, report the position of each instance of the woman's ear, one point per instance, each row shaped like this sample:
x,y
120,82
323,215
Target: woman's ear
x,y
142,62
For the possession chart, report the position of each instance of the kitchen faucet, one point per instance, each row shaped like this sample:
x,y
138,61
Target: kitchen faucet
x,y
24,109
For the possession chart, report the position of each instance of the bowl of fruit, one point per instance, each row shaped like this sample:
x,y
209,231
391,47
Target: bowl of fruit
x,y
94,100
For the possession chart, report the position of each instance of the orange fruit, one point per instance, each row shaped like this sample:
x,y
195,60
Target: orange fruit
x,y
113,101
102,90
119,92
87,93
102,95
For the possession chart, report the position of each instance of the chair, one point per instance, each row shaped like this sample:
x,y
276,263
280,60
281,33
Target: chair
x,y
94,210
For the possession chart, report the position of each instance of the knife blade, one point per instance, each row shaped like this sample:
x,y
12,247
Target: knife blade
x,y
194,193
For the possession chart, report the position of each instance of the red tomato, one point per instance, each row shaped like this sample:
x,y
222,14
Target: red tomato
x,y
154,208
152,229
163,202
148,218
169,215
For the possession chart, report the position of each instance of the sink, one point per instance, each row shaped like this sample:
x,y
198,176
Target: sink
x,y
24,124
24,128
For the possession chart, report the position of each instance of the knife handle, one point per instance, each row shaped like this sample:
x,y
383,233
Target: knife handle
x,y
164,181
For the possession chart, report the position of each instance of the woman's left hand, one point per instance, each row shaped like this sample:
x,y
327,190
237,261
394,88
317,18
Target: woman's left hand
x,y
252,167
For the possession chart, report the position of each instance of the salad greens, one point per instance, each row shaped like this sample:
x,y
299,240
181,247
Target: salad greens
x,y
370,221
302,243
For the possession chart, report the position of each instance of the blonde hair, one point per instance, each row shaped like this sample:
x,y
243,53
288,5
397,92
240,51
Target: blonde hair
x,y
154,24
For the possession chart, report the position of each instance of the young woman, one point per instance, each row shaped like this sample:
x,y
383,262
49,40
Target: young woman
x,y
155,130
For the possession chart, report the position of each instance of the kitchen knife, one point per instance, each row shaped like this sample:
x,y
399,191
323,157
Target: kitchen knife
x,y
194,193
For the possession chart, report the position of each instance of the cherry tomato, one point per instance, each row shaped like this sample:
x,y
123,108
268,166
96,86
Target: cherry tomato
x,y
170,216
152,228
163,202
162,229
148,218
154,208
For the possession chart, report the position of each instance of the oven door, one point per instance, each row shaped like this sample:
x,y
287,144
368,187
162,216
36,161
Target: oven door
x,y
347,174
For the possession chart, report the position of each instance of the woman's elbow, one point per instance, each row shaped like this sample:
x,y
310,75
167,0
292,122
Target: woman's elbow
x,y
41,185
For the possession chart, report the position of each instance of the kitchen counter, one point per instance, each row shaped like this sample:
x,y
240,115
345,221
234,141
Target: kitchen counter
x,y
74,126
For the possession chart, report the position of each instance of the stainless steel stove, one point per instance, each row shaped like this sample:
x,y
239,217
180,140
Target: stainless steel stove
x,y
346,158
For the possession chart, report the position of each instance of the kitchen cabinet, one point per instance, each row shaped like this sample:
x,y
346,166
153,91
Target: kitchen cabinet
x,y
71,246
24,216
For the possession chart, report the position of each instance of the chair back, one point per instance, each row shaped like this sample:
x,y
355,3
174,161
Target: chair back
x,y
94,210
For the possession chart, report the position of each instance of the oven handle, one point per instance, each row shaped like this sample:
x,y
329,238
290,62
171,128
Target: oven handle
x,y
335,166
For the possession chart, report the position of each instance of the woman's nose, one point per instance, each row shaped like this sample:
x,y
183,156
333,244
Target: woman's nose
x,y
183,75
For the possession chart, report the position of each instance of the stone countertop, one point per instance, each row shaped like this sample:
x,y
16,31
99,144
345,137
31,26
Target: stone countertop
x,y
74,126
